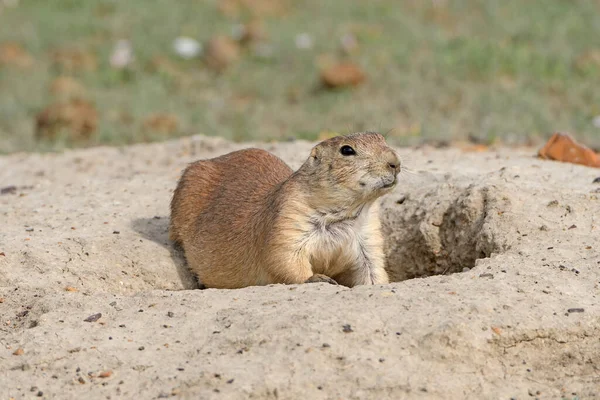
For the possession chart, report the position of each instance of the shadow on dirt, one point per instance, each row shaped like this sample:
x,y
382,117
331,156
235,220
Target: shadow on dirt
x,y
156,229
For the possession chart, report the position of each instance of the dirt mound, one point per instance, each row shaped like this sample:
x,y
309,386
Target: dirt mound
x,y
85,233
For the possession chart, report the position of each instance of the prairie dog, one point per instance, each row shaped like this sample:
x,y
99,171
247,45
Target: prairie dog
x,y
246,218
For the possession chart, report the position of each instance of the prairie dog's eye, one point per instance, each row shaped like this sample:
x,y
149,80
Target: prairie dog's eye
x,y
347,151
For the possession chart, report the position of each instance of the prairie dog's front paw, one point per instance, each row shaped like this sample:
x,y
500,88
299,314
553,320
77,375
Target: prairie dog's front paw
x,y
316,278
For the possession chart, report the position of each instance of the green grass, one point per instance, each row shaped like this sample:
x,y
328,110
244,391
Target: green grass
x,y
512,70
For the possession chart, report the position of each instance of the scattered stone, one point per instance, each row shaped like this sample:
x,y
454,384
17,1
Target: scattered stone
x,y
93,317
170,314
347,328
349,43
597,180
304,41
486,275
496,330
8,190
19,352
122,55
71,289
187,47
575,310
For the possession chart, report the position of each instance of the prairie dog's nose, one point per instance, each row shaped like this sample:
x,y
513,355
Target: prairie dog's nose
x,y
393,162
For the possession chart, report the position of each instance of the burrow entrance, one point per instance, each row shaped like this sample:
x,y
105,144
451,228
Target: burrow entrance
x,y
443,229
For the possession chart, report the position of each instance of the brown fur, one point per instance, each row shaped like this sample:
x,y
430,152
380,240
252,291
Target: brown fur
x,y
246,218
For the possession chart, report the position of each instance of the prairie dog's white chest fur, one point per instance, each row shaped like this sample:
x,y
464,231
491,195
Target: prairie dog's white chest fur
x,y
336,245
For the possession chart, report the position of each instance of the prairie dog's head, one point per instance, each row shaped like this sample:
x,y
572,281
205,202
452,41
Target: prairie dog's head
x,y
355,168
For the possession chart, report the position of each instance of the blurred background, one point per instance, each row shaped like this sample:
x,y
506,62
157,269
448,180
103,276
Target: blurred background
x,y
90,72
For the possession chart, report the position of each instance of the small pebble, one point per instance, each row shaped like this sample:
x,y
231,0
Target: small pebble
x,y
141,348
347,328
170,314
93,317
8,190
575,310
105,374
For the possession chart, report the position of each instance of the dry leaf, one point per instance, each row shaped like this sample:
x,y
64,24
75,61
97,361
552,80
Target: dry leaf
x,y
14,54
341,75
66,87
77,117
74,60
234,8
221,52
562,147
162,123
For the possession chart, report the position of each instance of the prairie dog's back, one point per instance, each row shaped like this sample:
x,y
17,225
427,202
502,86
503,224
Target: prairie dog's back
x,y
229,187
214,202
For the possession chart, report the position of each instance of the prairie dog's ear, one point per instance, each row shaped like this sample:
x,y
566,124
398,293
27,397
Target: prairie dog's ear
x,y
315,155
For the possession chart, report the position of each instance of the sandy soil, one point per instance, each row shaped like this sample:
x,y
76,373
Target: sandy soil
x,y
85,232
